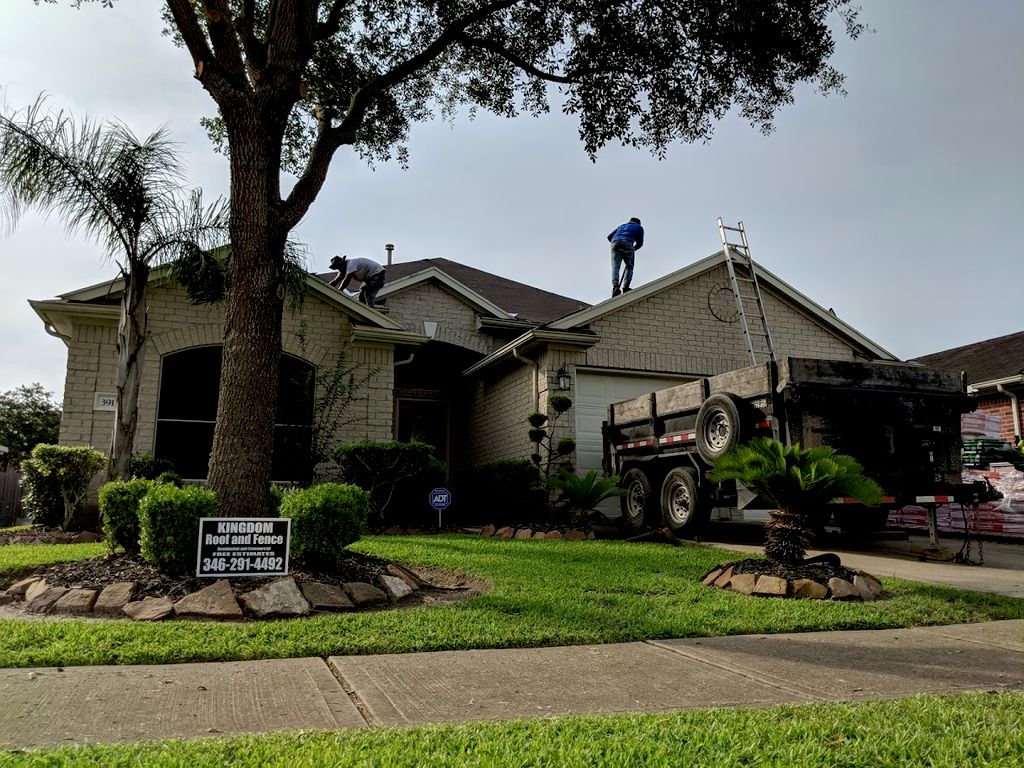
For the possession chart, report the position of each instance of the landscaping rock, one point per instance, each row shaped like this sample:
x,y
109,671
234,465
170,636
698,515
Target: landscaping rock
x,y
743,583
6,599
35,589
17,589
575,535
76,601
523,533
216,601
114,598
488,530
43,602
591,536
393,531
87,537
395,587
362,593
149,609
404,575
278,598
708,580
505,532
771,586
540,534
870,582
325,597
808,589
861,585
553,535
842,589
723,581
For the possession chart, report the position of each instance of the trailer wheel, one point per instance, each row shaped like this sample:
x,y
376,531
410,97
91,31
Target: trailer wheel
x,y
637,502
681,508
718,425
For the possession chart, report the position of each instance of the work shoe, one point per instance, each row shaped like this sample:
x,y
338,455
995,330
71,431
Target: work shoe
x,y
615,291
627,288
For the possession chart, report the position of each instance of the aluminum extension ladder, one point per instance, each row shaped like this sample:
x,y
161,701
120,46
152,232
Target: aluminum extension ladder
x,y
747,291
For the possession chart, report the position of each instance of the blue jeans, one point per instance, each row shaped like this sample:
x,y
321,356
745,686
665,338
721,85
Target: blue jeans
x,y
368,293
623,253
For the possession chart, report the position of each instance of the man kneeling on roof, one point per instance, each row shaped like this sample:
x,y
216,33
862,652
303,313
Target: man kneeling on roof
x,y
365,271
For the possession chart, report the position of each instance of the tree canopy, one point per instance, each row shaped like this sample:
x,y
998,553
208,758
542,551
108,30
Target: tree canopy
x,y
28,416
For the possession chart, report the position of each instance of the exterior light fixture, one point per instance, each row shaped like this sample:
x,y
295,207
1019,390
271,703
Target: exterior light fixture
x,y
564,380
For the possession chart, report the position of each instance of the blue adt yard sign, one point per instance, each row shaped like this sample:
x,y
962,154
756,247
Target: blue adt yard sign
x,y
439,499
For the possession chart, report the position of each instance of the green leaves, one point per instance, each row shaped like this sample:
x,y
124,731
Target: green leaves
x,y
581,494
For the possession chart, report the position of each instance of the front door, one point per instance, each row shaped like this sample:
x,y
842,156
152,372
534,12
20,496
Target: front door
x,y
425,421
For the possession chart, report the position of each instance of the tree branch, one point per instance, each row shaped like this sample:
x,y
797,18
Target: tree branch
x,y
208,70
331,24
255,49
225,42
489,45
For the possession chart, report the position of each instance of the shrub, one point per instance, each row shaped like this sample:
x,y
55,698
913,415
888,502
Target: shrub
x,y
325,519
277,494
119,512
148,467
504,492
58,471
580,494
171,478
398,476
169,525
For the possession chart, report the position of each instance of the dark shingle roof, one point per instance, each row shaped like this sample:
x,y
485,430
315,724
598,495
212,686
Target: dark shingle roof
x,y
527,302
997,358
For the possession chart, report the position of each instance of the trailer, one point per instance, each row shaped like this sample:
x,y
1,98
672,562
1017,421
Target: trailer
x,y
901,421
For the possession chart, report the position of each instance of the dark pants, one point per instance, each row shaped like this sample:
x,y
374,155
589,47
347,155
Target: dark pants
x,y
368,293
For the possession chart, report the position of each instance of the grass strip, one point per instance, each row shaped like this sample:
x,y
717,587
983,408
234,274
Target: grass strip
x,y
545,593
974,729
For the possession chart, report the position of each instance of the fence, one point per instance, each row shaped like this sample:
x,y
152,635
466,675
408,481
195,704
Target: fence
x,y
10,497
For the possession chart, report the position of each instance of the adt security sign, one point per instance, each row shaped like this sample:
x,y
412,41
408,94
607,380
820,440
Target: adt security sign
x,y
439,499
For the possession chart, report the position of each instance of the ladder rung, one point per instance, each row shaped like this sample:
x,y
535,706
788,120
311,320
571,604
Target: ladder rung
x,y
731,229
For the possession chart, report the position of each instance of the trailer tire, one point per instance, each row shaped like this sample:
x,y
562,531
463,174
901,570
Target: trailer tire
x,y
636,503
681,506
719,426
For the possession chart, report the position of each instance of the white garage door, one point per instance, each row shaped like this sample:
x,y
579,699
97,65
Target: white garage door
x,y
594,393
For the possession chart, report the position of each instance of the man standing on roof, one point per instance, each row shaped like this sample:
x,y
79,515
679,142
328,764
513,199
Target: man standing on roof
x,y
366,271
626,240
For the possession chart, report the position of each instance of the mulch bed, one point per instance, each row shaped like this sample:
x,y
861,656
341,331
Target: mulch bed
x,y
820,572
38,534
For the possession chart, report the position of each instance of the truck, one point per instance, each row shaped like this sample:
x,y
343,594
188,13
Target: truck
x,y
901,421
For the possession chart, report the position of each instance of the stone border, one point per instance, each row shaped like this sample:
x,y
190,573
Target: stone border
x,y
864,586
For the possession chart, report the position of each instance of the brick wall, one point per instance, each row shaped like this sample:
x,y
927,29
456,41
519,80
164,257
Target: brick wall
x,y
428,302
675,331
1001,406
499,404
317,332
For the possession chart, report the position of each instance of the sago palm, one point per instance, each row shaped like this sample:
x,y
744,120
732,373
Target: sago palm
x,y
582,493
126,194
797,482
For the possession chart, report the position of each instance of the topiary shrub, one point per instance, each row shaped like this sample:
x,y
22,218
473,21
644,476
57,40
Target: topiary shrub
x,y
398,476
146,466
58,471
325,519
119,512
171,478
506,492
169,525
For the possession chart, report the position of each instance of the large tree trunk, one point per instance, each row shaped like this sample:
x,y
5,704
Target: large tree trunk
x,y
240,465
131,344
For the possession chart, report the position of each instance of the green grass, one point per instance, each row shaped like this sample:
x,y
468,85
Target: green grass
x,y
974,729
19,559
544,593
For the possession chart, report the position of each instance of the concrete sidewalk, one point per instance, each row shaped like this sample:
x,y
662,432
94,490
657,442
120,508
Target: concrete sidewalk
x,y
102,704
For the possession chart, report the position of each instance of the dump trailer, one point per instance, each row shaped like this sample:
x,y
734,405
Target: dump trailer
x,y
901,421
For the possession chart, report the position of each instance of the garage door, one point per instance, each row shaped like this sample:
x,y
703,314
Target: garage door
x,y
594,393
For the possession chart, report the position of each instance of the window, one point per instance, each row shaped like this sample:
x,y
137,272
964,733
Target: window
x,y
187,410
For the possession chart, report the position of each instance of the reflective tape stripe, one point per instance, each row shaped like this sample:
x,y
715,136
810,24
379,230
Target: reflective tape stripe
x,y
762,425
848,500
635,444
682,437
933,499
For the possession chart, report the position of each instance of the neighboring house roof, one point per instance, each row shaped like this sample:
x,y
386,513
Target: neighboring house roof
x,y
767,279
983,361
522,301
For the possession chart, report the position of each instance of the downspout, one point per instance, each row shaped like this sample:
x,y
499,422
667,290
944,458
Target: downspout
x,y
1014,405
536,374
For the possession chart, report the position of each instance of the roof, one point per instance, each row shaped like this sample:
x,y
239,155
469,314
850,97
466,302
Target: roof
x,y
991,360
780,287
519,299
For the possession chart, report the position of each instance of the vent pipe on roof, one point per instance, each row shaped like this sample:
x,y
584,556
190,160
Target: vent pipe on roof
x,y
390,248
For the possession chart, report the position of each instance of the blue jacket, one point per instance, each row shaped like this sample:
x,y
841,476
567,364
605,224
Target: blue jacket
x,y
630,232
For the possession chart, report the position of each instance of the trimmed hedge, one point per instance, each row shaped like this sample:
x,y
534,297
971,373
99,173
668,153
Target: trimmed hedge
x,y
325,519
55,479
398,476
169,525
119,512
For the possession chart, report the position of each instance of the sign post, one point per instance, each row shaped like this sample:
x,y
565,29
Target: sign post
x,y
243,546
440,499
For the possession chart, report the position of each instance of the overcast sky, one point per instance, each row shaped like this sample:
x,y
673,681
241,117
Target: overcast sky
x,y
900,206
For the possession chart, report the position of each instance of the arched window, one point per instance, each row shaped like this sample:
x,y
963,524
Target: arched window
x,y
187,410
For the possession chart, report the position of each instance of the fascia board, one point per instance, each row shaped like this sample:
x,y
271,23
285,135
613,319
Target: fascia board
x,y
531,339
367,334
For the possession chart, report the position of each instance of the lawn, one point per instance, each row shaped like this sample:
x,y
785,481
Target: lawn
x,y
973,729
544,593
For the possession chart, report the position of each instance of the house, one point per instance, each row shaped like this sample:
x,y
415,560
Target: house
x,y
995,375
456,357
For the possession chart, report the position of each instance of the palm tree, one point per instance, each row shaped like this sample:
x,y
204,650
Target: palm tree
x,y
125,193
797,482
581,494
